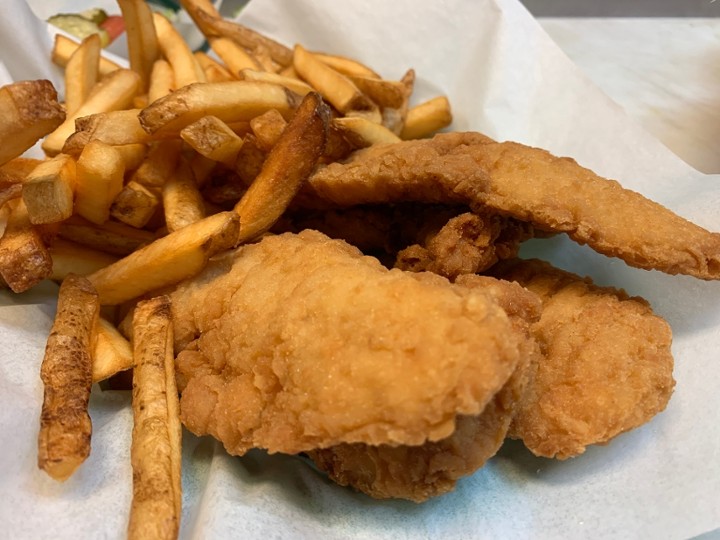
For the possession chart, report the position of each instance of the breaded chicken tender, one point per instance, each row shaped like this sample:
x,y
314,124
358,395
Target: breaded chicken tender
x,y
553,194
417,473
606,364
300,342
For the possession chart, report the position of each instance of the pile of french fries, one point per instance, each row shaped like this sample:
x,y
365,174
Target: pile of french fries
x,y
150,172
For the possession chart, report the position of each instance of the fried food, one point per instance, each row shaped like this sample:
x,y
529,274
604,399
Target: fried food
x,y
553,194
606,366
420,472
310,369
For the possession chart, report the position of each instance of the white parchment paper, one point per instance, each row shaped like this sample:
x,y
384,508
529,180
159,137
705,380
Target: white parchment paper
x,y
504,77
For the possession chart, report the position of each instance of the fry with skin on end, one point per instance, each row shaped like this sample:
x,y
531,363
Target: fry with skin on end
x,y
212,138
233,55
49,189
29,110
230,101
100,172
168,260
162,80
114,127
384,93
426,118
157,436
363,133
286,168
112,352
110,237
186,69
24,259
81,73
65,427
142,41
63,49
268,128
296,85
333,85
113,93
71,258
134,205
182,202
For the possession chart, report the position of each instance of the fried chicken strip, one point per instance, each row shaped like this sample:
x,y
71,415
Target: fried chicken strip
x,y
299,342
606,365
417,473
554,194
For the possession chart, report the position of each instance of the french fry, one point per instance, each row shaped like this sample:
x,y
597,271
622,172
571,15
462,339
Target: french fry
x,y
212,25
110,237
134,205
230,101
426,118
81,73
264,59
394,119
289,71
156,438
100,171
186,69
295,85
115,92
250,160
49,189
362,133
24,259
286,168
71,258
182,201
114,128
346,66
161,160
371,114
214,71
162,80
112,352
168,260
132,154
9,191
235,57
65,426
29,111
212,138
142,41
268,128
334,86
17,170
384,93
64,48
201,168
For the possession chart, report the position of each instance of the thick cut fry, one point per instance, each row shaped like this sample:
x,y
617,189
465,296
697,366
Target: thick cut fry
x,y
81,73
110,237
65,427
112,352
230,101
115,128
71,258
24,259
157,436
296,85
214,71
262,55
186,69
362,133
132,154
162,80
168,260
64,48
142,41
346,66
29,110
426,118
384,93
113,93
48,190
134,205
212,138
182,201
235,57
286,168
202,168
250,160
100,171
334,86
267,128
18,169
211,24
159,164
